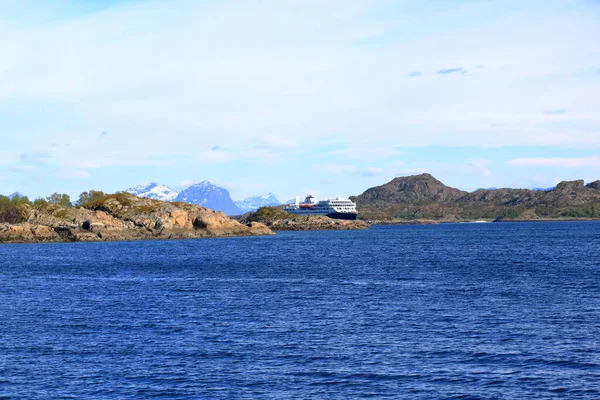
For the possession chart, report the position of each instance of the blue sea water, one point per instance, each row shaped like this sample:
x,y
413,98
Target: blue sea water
x,y
457,311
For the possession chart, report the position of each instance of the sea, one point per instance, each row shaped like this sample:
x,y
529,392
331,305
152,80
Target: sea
x,y
449,311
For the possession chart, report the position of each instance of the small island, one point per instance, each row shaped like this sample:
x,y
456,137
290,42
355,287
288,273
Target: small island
x,y
116,217
277,219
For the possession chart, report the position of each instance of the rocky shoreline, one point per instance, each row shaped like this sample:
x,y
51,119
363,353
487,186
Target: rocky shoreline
x,y
434,222
120,217
332,225
289,222
403,222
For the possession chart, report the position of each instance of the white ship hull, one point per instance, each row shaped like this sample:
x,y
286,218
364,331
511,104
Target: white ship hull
x,y
338,208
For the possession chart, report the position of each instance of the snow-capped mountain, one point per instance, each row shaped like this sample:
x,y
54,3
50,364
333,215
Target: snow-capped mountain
x,y
256,202
211,196
154,191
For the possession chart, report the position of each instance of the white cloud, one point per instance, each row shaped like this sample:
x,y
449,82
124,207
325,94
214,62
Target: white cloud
x,y
345,169
481,166
576,162
362,153
276,142
278,84
73,173
187,71
215,156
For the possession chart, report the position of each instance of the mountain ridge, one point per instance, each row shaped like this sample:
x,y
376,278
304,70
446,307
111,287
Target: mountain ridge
x,y
154,191
424,197
209,195
255,202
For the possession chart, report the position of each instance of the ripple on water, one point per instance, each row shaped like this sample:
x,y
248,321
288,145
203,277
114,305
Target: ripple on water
x,y
463,311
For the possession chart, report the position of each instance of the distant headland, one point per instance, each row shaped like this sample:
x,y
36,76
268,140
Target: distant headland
x,y
424,198
417,199
120,216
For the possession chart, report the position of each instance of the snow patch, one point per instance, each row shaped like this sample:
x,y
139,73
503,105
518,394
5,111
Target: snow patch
x,y
155,191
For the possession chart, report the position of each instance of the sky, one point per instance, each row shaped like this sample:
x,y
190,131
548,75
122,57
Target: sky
x,y
297,96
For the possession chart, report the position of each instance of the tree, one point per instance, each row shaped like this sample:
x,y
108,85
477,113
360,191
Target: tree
x,y
87,197
40,202
17,200
60,199
5,203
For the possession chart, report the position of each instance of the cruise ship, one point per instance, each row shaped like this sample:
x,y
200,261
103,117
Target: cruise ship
x,y
338,208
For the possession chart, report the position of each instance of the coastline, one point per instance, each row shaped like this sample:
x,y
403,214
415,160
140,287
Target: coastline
x,y
434,222
122,217
314,224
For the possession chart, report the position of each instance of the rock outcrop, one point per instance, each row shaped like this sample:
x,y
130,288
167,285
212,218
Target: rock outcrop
x,y
302,223
277,219
120,216
594,185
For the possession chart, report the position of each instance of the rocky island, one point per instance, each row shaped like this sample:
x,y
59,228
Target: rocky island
x,y
120,216
424,199
277,219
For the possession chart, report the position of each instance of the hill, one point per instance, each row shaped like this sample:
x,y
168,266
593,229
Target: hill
x,y
120,216
425,197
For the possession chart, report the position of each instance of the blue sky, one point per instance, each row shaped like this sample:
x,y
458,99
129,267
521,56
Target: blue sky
x,y
297,96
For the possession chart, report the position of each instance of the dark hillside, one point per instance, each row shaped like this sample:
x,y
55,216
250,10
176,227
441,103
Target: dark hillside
x,y
424,197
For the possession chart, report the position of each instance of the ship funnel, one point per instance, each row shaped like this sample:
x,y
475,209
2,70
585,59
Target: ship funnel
x,y
297,200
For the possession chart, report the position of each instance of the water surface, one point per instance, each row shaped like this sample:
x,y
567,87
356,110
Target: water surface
x,y
491,311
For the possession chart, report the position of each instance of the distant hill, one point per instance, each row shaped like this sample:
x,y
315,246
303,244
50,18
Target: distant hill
x,y
425,197
209,195
204,194
256,202
154,191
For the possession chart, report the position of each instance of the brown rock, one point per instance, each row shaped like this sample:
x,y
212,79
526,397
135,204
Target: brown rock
x,y
180,217
304,223
42,232
83,236
125,217
259,229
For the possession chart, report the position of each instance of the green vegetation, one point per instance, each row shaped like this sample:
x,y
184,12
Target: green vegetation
x,y
60,213
582,212
15,215
63,199
268,214
124,199
88,197
7,203
97,203
13,210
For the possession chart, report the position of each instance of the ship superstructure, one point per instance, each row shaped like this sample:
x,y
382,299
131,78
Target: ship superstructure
x,y
338,208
